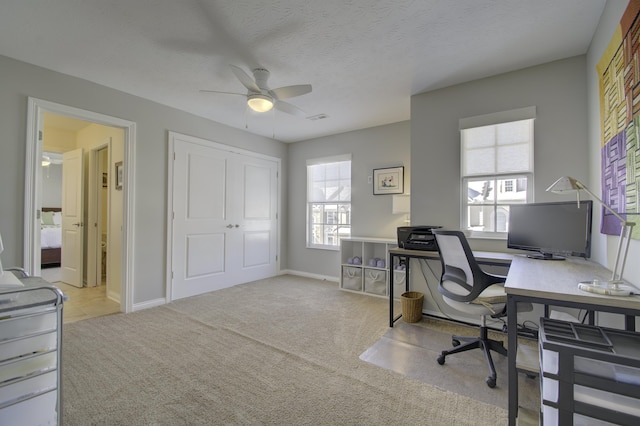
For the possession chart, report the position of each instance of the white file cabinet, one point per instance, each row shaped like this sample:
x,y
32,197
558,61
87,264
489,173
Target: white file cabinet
x,y
589,375
30,351
364,265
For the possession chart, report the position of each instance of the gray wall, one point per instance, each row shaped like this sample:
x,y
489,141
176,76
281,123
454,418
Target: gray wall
x,y
19,80
376,147
556,89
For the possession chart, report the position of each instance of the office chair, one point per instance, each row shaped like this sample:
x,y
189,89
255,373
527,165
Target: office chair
x,y
469,289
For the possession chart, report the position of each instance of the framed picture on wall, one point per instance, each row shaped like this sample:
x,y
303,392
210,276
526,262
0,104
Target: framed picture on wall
x,y
119,175
388,181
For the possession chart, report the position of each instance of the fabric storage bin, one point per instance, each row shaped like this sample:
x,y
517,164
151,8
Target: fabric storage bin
x,y
352,278
375,281
399,286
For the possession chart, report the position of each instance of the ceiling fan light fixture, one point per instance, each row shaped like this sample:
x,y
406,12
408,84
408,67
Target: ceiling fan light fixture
x,y
260,103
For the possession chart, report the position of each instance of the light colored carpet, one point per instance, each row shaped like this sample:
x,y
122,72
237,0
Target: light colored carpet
x,y
277,351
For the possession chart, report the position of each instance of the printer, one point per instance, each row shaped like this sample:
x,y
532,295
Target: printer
x,y
417,238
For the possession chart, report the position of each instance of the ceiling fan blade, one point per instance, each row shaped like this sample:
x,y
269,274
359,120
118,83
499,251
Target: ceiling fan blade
x,y
224,93
291,91
245,79
290,109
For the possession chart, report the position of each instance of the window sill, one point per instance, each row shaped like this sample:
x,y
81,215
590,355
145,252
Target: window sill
x,y
502,236
329,248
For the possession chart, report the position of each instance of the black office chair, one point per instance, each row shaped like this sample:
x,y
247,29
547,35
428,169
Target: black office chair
x,y
469,289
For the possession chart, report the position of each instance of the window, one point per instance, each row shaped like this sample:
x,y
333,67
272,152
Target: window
x,y
328,201
496,168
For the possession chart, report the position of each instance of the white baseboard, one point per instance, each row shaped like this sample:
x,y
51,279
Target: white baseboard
x,y
149,304
309,275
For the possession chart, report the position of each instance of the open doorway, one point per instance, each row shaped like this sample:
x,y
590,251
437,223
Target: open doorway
x,y
111,141
76,157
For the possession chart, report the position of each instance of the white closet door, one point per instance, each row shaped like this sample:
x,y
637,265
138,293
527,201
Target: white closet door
x,y
224,218
257,230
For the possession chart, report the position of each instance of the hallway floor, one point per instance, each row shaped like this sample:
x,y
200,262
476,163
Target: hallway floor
x,y
83,303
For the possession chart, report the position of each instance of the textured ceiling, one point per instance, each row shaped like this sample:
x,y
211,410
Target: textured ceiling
x,y
364,58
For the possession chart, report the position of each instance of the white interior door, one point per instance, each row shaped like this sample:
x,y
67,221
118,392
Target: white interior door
x,y
224,209
257,215
72,217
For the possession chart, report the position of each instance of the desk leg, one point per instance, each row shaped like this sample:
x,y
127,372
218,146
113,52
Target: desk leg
x,y
630,322
512,350
391,257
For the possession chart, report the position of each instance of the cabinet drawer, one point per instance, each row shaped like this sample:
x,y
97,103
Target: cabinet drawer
x,y
32,386
40,410
24,326
28,345
28,365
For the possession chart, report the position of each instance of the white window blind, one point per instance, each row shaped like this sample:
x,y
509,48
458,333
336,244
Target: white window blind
x,y
498,149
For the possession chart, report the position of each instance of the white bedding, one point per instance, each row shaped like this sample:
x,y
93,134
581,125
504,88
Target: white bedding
x,y
50,236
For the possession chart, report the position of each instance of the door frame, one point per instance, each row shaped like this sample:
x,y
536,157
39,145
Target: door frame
x,y
170,190
33,188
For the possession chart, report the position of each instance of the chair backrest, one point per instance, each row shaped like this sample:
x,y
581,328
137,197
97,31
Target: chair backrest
x,y
459,266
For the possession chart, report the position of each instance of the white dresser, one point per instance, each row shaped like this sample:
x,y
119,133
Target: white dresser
x,y
30,354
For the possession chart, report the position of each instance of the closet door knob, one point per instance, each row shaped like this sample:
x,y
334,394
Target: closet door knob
x,y
229,226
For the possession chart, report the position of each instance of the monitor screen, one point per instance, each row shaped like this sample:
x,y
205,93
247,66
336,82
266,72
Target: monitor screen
x,y
553,230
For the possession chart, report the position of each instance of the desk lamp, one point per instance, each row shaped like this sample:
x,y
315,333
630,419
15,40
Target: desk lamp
x,y
567,183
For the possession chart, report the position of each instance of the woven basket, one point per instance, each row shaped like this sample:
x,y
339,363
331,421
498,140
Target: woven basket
x,y
412,306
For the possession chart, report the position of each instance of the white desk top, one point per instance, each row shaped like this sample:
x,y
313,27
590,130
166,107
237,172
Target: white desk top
x,y
558,280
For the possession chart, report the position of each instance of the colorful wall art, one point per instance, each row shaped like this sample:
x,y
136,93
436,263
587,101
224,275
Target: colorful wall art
x,y
619,75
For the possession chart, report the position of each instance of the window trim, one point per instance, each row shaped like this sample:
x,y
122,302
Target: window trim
x,y
309,221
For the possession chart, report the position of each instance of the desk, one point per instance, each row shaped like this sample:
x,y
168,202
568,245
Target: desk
x,y
483,258
555,283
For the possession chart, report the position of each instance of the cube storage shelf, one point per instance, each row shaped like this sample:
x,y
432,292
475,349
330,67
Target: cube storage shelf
x,y
589,375
364,266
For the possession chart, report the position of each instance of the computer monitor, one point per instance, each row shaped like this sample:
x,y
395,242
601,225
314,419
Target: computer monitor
x,y
552,230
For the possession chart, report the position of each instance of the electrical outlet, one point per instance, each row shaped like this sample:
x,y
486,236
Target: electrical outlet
x,y
369,179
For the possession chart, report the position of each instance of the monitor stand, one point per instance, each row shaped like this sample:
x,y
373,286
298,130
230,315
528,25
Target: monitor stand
x,y
545,256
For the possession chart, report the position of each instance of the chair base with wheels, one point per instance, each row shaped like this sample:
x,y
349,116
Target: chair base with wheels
x,y
482,342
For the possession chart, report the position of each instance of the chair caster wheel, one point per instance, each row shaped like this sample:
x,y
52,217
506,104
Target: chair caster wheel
x,y
441,359
455,342
491,382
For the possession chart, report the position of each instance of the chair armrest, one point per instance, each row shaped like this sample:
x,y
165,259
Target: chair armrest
x,y
21,273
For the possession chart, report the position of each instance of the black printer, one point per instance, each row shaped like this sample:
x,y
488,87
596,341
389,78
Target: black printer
x,y
417,238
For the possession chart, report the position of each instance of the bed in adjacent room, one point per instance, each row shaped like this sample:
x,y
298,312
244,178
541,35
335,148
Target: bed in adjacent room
x,y
51,236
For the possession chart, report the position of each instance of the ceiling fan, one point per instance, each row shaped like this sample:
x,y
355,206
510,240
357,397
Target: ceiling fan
x,y
262,99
